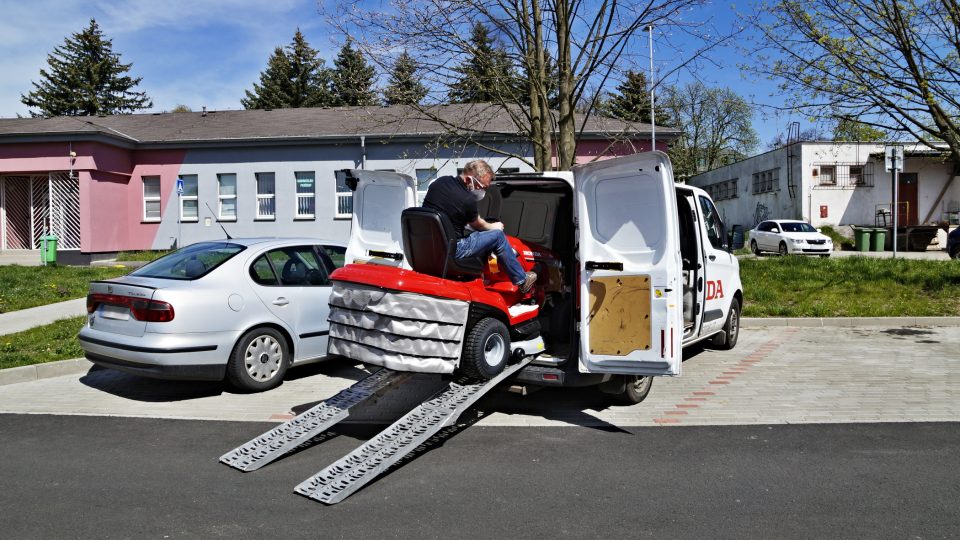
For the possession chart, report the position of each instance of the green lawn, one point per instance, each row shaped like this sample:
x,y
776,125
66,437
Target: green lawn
x,y
24,287
57,341
849,287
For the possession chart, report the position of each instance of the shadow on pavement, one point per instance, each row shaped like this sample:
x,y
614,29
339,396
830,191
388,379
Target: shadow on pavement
x,y
150,390
144,389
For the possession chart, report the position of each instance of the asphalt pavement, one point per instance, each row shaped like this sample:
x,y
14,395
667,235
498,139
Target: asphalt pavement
x,y
100,477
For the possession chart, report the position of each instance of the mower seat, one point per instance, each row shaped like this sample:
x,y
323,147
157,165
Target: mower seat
x,y
430,244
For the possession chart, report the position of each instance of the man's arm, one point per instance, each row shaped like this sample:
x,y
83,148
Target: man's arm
x,y
480,224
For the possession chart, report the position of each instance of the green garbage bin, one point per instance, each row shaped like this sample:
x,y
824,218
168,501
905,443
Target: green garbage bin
x,y
879,239
48,249
862,238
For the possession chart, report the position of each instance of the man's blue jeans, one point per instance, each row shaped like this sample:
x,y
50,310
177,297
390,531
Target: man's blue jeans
x,y
482,243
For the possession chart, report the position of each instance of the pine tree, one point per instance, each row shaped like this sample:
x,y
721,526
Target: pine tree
x,y
404,87
85,77
631,102
295,77
352,81
487,76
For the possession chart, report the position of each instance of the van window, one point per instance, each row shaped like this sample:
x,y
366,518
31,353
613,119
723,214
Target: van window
x,y
712,221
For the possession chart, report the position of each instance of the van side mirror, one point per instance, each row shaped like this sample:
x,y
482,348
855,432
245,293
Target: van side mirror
x,y
735,240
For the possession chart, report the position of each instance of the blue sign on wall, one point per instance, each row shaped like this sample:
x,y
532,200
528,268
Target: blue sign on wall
x,y
179,186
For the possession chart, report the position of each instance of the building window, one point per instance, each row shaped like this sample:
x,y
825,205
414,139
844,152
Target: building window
x,y
843,175
827,177
306,194
722,190
856,175
424,177
266,196
227,189
766,181
189,203
151,198
344,202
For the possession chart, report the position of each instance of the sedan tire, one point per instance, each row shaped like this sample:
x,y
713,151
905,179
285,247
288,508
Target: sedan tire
x,y
783,249
755,248
259,360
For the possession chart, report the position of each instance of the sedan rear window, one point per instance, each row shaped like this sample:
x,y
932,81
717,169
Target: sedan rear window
x,y
191,262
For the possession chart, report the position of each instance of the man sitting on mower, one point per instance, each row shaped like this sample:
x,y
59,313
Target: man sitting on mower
x,y
456,198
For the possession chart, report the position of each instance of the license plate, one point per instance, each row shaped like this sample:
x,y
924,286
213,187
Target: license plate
x,y
114,312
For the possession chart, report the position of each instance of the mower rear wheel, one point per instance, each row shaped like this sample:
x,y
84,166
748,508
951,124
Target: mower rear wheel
x,y
486,349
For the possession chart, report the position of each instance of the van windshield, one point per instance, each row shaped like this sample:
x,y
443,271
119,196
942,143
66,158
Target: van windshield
x,y
191,262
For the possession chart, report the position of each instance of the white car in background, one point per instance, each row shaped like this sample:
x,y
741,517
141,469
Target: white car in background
x,y
789,236
244,309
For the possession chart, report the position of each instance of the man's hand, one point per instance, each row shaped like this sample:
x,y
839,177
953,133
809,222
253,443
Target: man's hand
x,y
497,226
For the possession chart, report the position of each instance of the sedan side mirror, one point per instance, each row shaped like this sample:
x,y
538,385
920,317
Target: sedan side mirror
x,y
775,230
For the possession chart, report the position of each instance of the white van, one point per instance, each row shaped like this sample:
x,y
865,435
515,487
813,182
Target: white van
x,y
632,266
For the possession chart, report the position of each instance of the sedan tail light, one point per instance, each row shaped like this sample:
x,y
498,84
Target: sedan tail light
x,y
140,308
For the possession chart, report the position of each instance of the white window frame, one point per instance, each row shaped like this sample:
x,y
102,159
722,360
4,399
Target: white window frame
x,y
221,197
312,195
341,196
264,197
183,198
151,198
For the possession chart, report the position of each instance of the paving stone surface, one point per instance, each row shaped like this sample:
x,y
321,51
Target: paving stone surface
x,y
775,375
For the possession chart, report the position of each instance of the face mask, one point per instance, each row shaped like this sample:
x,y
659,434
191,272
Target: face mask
x,y
478,192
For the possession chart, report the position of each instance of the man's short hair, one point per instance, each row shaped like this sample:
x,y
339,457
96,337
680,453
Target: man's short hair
x,y
479,167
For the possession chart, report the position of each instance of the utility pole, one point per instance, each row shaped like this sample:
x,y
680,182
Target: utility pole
x,y
893,162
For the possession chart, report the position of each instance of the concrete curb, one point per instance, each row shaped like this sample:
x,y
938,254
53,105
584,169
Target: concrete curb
x,y
846,322
44,371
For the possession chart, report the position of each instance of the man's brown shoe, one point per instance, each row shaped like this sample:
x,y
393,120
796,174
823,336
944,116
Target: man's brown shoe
x,y
528,282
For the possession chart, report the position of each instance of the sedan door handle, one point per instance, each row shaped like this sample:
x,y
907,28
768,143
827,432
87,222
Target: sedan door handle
x,y
281,301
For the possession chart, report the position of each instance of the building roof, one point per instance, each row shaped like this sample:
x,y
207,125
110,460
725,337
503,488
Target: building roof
x,y
306,124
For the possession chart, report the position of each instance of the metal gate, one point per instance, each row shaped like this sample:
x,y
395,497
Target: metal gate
x,y
34,206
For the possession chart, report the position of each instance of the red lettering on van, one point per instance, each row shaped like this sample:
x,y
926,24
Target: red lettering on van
x,y
714,289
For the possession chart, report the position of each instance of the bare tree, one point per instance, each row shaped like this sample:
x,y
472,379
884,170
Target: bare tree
x,y
563,51
889,64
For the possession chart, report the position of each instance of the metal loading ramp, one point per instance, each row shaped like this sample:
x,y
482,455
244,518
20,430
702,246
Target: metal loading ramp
x,y
292,433
361,466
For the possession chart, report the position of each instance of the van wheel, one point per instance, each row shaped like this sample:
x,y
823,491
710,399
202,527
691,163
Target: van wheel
x,y
755,248
486,349
635,390
783,249
727,339
259,360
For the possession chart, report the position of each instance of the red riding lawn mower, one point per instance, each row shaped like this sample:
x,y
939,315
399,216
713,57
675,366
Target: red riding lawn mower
x,y
445,313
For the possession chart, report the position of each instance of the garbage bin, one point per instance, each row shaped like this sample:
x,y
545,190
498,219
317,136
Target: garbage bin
x,y
48,249
862,238
879,239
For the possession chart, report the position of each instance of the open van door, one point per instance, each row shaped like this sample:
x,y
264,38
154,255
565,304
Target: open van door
x,y
378,199
630,296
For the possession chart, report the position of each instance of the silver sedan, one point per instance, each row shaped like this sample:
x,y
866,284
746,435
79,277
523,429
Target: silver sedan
x,y
240,309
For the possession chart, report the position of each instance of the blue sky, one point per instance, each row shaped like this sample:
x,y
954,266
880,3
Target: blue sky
x,y
207,52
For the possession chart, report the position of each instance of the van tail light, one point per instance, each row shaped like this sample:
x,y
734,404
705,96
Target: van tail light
x,y
140,308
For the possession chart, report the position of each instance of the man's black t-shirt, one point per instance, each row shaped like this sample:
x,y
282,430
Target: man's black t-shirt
x,y
450,197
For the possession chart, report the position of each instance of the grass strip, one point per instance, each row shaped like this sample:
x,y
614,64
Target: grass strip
x,y
23,287
57,341
849,287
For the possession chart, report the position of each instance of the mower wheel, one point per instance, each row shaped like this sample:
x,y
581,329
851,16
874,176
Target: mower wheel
x,y
486,349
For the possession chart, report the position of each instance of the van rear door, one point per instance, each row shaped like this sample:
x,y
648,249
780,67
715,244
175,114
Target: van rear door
x,y
630,301
378,199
